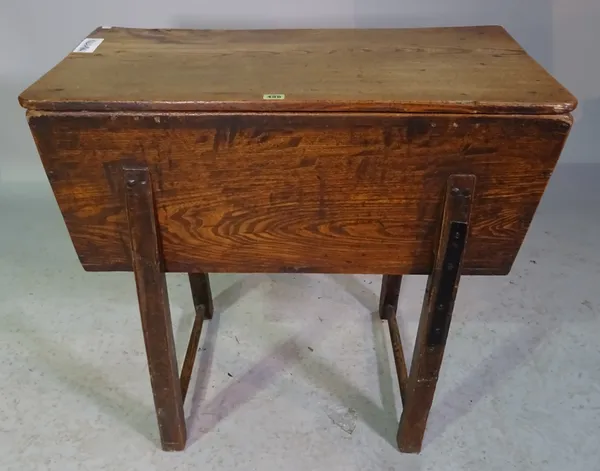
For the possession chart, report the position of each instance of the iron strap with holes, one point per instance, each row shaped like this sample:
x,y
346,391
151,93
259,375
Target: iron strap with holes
x,y
438,331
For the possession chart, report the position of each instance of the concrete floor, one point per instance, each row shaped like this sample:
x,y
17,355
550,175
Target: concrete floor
x,y
296,372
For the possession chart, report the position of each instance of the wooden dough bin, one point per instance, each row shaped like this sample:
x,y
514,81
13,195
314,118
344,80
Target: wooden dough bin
x,y
393,151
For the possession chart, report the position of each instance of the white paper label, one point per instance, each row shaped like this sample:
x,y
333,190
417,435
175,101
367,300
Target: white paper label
x,y
88,45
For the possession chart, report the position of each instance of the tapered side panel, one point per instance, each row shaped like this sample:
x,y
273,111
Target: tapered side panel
x,y
328,192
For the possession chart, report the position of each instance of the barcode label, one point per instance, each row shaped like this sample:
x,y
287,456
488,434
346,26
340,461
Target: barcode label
x,y
274,96
88,45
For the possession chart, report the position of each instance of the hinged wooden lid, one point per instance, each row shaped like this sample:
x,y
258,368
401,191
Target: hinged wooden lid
x,y
442,70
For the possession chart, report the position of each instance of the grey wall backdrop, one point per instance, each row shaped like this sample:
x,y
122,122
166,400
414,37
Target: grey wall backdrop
x,y
563,35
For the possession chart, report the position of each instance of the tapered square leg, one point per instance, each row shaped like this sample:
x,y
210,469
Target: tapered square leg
x,y
201,294
436,314
390,292
153,299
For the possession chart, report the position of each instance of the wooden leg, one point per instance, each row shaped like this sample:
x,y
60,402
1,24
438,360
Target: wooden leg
x,y
398,352
200,284
190,354
438,304
388,299
388,305
153,299
203,305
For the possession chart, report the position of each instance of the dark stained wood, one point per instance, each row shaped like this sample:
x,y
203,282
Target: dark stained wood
x,y
191,351
337,193
427,356
478,69
388,305
390,292
201,294
203,305
397,351
154,306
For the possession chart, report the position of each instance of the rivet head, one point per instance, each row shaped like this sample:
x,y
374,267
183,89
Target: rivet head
x,y
455,191
130,181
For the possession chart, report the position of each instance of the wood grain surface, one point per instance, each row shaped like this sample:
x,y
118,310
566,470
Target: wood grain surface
x,y
442,70
343,193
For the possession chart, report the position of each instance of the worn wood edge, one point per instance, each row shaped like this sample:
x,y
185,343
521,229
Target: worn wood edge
x,y
179,268
299,106
103,29
573,102
30,114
